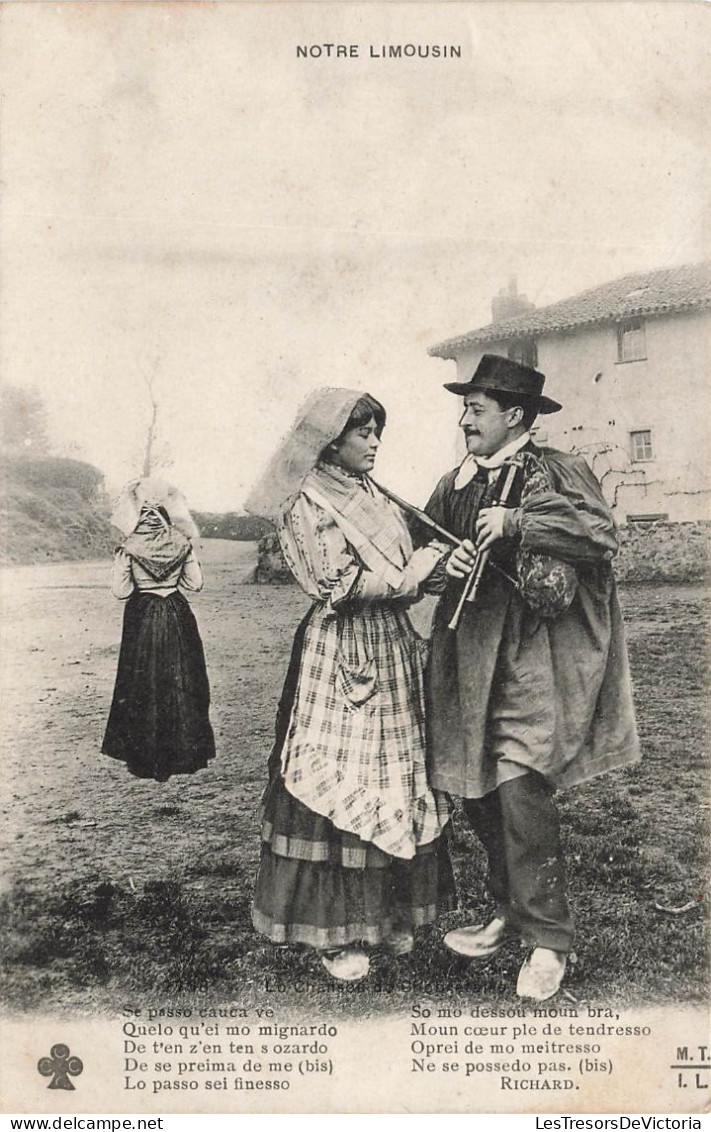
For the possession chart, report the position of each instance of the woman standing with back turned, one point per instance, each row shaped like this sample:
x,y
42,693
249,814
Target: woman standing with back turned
x,y
159,723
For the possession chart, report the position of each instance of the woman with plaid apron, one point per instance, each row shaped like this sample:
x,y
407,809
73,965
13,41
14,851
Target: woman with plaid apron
x,y
352,848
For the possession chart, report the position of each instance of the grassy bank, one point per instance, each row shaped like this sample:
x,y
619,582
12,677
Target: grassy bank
x,y
51,510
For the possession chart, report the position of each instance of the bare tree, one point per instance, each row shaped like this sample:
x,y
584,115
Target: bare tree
x,y
154,454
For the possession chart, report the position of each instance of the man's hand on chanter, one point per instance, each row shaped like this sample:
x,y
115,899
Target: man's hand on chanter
x,y
490,526
461,560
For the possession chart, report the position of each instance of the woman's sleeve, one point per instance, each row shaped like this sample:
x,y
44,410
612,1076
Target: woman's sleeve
x,y
572,522
316,551
436,583
371,587
122,584
324,563
191,579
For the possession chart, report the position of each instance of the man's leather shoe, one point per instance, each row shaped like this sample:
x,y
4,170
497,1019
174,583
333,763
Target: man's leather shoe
x,y
477,941
541,975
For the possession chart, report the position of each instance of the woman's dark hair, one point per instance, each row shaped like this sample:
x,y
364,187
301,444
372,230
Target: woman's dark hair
x,y
515,401
365,409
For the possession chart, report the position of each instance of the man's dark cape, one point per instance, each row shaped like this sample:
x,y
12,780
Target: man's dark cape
x,y
553,695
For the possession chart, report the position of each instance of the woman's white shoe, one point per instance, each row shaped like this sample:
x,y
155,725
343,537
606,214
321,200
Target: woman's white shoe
x,y
348,965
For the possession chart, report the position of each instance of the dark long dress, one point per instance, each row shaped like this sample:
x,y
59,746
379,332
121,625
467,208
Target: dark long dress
x,y
159,719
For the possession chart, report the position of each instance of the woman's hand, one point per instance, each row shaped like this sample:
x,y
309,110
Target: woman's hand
x,y
423,562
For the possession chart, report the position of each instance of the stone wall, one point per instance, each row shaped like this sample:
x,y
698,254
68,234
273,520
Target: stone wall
x,y
664,552
649,552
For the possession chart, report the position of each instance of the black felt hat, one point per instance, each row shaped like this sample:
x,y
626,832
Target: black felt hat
x,y
495,374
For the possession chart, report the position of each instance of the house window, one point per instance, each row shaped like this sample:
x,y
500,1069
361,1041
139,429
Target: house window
x,y
641,444
631,340
525,351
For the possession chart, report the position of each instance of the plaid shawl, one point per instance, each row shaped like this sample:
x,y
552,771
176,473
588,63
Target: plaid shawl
x,y
372,524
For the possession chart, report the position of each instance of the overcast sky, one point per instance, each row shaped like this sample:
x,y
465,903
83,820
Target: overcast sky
x,y
185,198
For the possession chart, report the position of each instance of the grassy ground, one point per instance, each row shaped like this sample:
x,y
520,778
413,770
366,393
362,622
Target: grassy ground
x,y
123,891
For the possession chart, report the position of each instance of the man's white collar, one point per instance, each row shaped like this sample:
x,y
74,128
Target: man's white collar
x,y
471,464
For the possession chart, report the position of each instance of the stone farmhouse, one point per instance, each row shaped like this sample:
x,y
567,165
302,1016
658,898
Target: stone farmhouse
x,y
631,363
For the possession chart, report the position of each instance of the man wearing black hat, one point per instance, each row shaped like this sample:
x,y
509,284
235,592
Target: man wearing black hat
x,y
528,683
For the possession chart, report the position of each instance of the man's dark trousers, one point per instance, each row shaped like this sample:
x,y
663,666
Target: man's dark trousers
x,y
519,828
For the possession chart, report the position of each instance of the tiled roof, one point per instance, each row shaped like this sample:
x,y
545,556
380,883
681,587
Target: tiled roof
x,y
644,293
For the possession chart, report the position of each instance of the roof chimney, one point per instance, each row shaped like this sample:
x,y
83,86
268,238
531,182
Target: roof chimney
x,y
508,303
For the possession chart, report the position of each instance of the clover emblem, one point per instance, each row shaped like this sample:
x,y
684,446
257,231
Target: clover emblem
x,y
60,1065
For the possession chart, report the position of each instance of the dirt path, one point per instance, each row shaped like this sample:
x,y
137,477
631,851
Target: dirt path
x,y
75,820
71,812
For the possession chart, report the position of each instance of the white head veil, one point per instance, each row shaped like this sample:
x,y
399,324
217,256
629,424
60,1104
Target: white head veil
x,y
149,491
321,418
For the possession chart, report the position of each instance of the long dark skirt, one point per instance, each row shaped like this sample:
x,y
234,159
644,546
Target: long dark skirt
x,y
159,720
322,886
